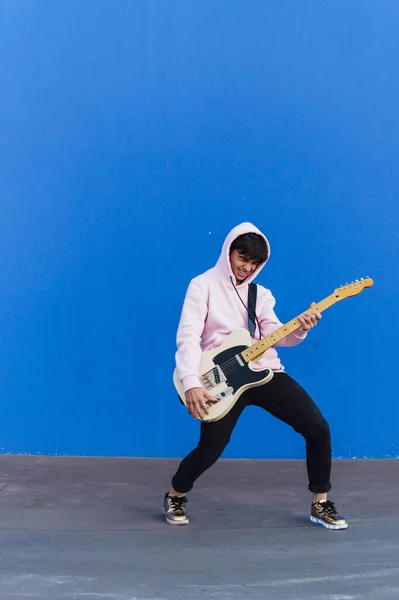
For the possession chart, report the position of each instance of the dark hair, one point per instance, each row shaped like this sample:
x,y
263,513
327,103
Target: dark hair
x,y
252,246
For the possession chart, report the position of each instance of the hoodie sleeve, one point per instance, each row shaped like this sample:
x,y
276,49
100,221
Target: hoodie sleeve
x,y
269,322
191,325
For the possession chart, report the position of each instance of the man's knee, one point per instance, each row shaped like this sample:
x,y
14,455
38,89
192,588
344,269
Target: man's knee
x,y
320,431
208,456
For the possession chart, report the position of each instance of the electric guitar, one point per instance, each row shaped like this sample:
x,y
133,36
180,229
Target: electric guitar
x,y
225,372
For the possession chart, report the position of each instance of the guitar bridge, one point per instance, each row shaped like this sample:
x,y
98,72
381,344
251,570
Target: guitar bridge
x,y
212,378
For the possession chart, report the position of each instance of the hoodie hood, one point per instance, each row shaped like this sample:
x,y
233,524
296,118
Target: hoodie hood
x,y
223,264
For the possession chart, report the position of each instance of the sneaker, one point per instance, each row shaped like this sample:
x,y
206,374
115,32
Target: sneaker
x,y
325,513
174,508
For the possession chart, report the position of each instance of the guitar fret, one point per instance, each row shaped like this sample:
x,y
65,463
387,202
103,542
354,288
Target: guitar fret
x,y
257,349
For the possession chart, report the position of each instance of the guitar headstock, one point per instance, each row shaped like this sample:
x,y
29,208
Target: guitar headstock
x,y
352,289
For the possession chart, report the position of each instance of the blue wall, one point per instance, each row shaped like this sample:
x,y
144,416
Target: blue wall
x,y
134,135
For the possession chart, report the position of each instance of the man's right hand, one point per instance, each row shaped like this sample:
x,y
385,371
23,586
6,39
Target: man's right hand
x,y
196,399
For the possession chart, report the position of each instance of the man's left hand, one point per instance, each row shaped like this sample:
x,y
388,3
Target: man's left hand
x,y
309,319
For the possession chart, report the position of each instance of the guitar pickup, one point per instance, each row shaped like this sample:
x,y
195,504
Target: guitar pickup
x,y
212,378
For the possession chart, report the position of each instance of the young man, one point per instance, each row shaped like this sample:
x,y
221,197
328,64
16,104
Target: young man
x,y
216,304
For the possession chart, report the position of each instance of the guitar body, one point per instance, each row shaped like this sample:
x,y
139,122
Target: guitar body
x,y
225,375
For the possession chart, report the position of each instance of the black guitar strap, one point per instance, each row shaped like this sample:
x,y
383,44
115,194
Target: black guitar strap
x,y
252,293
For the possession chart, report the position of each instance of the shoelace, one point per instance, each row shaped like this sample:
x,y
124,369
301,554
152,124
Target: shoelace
x,y
329,507
178,503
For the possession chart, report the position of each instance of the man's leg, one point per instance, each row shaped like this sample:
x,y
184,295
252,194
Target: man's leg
x,y
284,398
214,437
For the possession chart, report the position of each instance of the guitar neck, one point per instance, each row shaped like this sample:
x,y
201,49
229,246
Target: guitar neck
x,y
256,350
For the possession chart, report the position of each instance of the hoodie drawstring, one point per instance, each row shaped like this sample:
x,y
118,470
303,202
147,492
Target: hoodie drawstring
x,y
247,309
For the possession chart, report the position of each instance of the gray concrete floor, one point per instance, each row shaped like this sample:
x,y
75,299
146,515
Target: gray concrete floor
x,y
92,529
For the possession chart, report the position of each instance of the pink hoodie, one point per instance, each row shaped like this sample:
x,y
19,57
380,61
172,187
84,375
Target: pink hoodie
x,y
212,310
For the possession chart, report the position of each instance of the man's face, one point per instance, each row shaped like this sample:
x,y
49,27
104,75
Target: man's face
x,y
241,266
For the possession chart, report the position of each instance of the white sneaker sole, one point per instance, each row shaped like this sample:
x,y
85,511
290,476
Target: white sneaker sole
x,y
185,522
320,522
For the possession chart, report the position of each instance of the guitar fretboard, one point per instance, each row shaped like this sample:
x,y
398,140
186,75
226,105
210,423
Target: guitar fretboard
x,y
256,350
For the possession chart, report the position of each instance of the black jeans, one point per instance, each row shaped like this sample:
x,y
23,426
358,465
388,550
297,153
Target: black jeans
x,y
284,398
